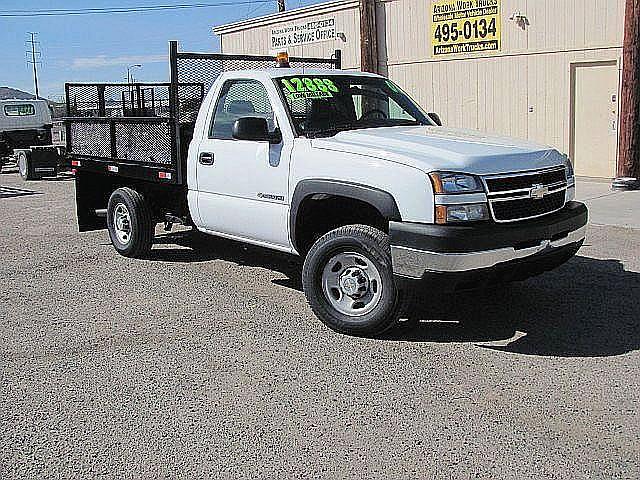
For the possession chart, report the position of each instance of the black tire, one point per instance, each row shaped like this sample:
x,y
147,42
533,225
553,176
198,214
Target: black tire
x,y
141,226
370,243
25,166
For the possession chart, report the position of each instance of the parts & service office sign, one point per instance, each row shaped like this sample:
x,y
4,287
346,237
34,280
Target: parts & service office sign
x,y
303,33
465,26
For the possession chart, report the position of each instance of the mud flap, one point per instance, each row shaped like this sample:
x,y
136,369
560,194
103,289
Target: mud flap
x,y
92,193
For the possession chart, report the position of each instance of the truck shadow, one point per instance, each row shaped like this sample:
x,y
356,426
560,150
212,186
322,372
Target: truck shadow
x,y
586,308
203,248
61,177
9,192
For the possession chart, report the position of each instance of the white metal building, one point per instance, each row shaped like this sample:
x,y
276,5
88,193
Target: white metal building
x,y
547,70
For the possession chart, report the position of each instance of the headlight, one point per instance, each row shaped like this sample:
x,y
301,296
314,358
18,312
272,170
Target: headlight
x,y
473,212
449,183
568,169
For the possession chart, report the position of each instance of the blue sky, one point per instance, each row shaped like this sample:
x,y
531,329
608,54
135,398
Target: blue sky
x,y
99,47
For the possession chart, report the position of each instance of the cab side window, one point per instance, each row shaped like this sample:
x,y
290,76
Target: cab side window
x,y
240,98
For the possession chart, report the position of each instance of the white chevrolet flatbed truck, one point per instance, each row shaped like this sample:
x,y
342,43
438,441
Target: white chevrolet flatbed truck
x,y
347,171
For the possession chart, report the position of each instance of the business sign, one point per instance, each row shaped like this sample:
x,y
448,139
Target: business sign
x,y
294,34
465,26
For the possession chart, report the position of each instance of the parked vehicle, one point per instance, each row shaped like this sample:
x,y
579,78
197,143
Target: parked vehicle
x,y
25,136
341,168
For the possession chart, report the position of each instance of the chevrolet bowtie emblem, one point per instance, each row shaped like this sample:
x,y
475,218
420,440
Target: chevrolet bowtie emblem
x,y
538,191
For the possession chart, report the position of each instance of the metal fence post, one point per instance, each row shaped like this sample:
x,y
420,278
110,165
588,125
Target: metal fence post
x,y
101,102
174,109
112,138
67,123
338,59
67,99
138,100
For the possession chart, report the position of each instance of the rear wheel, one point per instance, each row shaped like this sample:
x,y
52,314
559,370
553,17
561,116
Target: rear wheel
x,y
130,223
348,281
25,167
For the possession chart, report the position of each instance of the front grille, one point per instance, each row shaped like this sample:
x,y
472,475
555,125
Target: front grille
x,y
513,197
528,207
505,184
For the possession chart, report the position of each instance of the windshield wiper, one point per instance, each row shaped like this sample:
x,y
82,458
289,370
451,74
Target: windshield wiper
x,y
330,132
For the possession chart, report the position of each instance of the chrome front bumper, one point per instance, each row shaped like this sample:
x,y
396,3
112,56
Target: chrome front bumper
x,y
414,263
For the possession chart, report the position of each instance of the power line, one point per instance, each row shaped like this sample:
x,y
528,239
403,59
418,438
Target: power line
x,y
138,9
253,10
100,9
35,56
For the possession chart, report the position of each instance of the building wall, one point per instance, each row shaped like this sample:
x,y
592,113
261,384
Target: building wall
x,y
524,90
256,40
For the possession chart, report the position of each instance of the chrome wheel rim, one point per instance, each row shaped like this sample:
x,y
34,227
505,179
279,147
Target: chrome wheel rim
x,y
22,166
122,223
352,284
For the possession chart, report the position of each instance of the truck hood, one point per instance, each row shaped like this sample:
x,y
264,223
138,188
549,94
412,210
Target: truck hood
x,y
439,148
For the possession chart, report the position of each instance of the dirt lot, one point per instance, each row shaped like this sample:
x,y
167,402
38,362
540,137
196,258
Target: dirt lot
x,y
206,362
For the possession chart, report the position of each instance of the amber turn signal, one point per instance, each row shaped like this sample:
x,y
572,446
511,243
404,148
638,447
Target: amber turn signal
x,y
441,214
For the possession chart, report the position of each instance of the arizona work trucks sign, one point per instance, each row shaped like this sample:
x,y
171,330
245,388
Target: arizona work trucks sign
x,y
303,33
465,26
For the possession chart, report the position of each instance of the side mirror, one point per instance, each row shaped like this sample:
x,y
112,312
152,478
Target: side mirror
x,y
254,129
436,118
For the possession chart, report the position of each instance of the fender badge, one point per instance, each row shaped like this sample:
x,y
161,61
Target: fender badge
x,y
269,196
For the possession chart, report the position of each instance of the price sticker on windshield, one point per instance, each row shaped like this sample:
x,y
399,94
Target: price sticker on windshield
x,y
308,87
465,26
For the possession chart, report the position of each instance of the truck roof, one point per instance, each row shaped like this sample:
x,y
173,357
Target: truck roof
x,y
21,100
284,72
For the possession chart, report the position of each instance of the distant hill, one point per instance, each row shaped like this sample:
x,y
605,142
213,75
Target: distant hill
x,y
8,92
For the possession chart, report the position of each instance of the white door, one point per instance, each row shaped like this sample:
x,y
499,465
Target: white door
x,y
595,127
242,185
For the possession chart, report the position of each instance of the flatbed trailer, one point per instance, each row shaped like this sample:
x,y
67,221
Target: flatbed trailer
x,y
137,135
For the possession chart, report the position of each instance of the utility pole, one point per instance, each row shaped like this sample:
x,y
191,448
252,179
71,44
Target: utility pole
x,y
281,7
34,60
368,37
629,147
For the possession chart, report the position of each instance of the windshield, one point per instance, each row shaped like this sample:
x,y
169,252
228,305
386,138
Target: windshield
x,y
323,105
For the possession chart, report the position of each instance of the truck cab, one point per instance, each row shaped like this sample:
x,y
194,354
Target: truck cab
x,y
25,136
381,201
24,123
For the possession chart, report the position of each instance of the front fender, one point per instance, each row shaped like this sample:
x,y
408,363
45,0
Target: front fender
x,y
408,187
379,199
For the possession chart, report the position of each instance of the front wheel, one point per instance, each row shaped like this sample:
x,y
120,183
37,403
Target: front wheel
x,y
348,281
130,223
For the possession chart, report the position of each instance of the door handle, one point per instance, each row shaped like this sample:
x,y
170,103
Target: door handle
x,y
206,158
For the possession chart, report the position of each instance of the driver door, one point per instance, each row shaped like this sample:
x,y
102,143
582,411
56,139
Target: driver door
x,y
242,184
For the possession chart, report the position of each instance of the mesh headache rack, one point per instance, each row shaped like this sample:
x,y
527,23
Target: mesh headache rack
x,y
143,130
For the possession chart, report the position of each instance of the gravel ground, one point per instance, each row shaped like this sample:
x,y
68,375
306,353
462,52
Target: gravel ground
x,y
207,363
